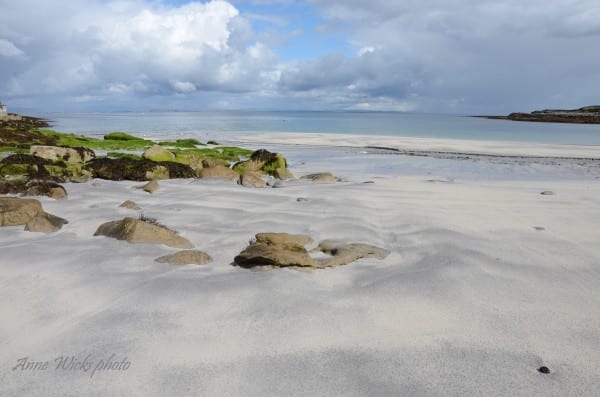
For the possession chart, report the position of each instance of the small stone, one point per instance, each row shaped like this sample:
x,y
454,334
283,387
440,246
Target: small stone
x,y
130,205
539,228
544,370
150,187
301,199
547,193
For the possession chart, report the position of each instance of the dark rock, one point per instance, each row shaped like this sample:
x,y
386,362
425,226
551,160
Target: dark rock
x,y
135,169
547,193
544,370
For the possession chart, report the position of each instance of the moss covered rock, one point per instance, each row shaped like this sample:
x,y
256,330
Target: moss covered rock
x,y
136,170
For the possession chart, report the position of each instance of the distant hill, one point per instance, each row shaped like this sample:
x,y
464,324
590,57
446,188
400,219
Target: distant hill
x,y
584,115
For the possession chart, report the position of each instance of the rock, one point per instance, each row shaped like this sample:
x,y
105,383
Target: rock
x,y
135,169
277,185
276,249
544,370
219,172
16,211
252,180
158,172
142,231
68,154
302,199
283,173
45,188
130,205
320,177
547,193
45,223
343,254
150,187
158,153
187,257
539,228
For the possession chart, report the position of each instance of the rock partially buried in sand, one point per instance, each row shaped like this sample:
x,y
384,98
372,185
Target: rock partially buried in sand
x,y
219,172
150,187
547,193
142,231
252,180
16,211
544,370
45,223
319,177
187,257
270,250
276,250
130,205
343,254
45,188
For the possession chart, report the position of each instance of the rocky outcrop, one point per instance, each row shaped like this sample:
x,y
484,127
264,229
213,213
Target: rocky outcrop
x,y
68,154
137,170
219,172
45,223
585,115
187,257
146,231
319,177
45,188
263,161
276,250
16,211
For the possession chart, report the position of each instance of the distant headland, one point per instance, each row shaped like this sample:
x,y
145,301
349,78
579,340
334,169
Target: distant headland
x,y
584,115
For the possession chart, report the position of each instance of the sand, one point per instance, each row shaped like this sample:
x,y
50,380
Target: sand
x,y
472,300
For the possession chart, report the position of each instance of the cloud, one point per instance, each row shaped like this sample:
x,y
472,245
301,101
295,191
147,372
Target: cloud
x,y
9,50
467,56
102,51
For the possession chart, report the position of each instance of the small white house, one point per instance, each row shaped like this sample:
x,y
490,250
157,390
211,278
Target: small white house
x,y
3,110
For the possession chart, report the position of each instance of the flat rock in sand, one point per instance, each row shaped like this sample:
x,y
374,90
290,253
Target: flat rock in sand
x,y
319,177
150,187
276,250
219,172
140,231
252,180
343,254
186,257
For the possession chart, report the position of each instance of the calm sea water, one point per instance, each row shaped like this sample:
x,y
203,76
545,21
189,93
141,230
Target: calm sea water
x,y
230,124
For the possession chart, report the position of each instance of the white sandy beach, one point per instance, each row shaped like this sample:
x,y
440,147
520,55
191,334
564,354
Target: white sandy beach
x,y
472,300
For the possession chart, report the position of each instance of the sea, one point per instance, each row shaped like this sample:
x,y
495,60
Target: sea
x,y
230,124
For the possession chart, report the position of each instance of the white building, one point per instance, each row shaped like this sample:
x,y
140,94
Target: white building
x,y
3,110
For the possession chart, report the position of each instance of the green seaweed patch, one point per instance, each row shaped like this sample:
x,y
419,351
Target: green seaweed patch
x,y
182,143
278,161
226,153
121,136
123,155
13,149
71,140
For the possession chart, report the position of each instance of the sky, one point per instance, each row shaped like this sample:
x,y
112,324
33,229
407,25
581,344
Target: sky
x,y
442,56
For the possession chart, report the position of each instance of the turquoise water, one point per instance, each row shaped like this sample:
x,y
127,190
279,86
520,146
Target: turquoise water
x,y
236,123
